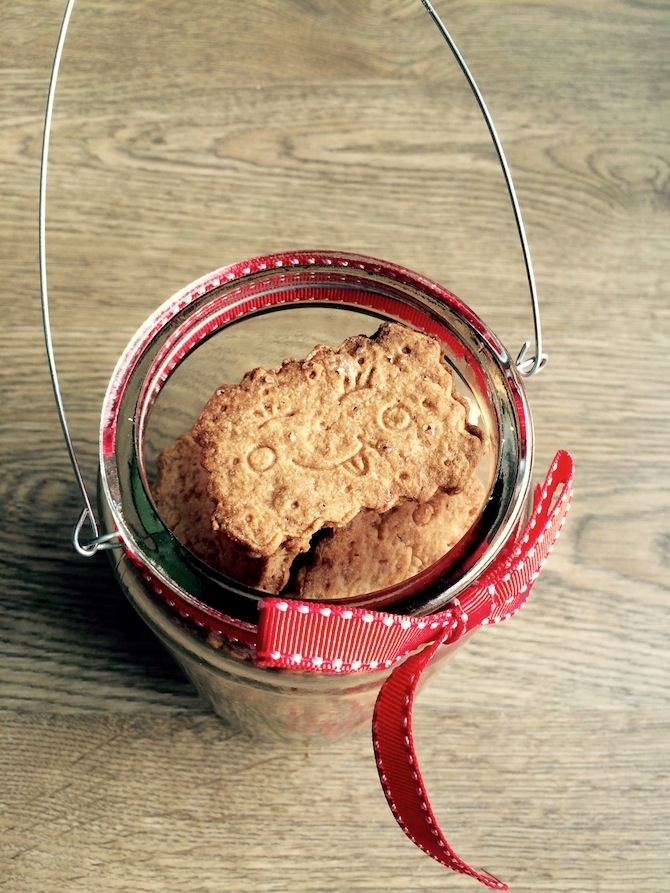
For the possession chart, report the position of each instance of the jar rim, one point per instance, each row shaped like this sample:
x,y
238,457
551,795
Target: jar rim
x,y
274,283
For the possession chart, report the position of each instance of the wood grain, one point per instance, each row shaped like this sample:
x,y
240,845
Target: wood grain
x,y
191,134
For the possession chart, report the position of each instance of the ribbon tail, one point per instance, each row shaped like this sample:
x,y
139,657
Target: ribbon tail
x,y
398,767
499,596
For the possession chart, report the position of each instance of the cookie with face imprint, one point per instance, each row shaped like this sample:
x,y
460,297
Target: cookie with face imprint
x,y
181,498
311,443
375,551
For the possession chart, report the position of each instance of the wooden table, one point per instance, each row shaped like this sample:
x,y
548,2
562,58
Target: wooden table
x,y
188,135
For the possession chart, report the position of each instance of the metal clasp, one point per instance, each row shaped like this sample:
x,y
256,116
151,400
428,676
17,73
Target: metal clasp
x,y
526,365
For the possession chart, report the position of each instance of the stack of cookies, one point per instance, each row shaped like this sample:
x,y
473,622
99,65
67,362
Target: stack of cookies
x,y
333,476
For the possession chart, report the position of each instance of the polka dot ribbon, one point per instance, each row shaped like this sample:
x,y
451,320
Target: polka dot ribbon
x,y
330,639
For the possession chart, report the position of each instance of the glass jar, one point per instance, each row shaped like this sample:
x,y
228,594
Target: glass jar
x,y
258,313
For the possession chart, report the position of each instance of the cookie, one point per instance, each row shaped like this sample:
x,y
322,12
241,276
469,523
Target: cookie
x,y
376,551
313,442
181,498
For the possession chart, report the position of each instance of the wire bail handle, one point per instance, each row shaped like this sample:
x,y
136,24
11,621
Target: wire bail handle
x,y
526,365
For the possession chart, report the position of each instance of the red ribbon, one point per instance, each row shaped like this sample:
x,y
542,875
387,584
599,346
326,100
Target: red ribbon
x,y
335,639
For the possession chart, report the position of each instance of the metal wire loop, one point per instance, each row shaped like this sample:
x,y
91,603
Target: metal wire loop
x,y
100,542
526,365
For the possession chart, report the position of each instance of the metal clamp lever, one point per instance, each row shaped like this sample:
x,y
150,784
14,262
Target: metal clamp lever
x,y
526,366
